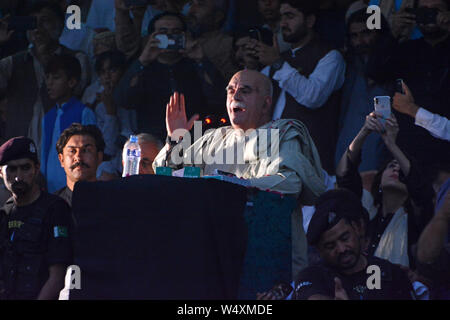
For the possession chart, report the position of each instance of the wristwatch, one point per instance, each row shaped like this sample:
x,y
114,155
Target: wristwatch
x,y
172,143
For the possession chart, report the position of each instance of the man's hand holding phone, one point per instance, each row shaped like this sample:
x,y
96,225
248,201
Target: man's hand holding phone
x,y
151,50
266,55
404,103
388,131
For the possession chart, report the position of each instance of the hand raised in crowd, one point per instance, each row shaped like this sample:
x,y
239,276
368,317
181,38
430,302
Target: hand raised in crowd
x,y
404,103
443,20
266,55
402,21
247,54
5,35
193,49
389,135
372,124
151,50
176,116
339,291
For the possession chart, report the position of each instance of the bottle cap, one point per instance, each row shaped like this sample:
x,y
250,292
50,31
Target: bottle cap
x,y
133,139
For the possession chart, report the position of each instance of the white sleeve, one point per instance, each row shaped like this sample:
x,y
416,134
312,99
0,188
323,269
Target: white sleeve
x,y
438,126
313,91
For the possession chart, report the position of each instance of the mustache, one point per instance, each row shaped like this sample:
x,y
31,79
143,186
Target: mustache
x,y
78,164
239,105
19,184
345,254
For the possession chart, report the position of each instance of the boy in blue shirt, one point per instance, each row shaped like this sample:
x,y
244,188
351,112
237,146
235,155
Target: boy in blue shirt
x,y
62,76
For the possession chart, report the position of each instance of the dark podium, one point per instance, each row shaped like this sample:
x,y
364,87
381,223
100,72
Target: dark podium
x,y
167,238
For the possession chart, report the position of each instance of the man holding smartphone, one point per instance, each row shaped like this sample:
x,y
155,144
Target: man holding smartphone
x,y
424,65
438,126
163,67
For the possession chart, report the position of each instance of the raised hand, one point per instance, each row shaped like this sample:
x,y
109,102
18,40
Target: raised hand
x,y
372,124
404,103
267,55
389,136
176,117
151,50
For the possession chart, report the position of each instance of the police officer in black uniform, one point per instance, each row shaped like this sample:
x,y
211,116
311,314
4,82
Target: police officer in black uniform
x,y
337,232
35,228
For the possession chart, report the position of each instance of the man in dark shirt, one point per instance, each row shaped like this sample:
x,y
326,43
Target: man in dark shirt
x,y
336,231
80,151
424,65
35,229
158,73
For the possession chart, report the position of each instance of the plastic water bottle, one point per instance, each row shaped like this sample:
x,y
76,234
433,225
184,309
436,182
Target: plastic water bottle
x,y
131,157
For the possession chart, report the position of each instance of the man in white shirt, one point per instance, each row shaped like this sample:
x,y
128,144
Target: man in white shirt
x,y
307,78
438,126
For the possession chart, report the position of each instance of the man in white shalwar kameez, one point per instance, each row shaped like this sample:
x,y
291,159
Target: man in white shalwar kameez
x,y
278,156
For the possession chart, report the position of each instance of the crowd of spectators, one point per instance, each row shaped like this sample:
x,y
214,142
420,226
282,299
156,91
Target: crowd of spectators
x,y
112,78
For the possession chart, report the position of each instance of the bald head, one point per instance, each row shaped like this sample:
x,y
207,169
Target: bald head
x,y
264,84
249,100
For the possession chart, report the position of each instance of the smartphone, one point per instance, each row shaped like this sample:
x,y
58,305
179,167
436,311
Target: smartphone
x,y
136,3
399,86
22,23
255,34
382,106
171,41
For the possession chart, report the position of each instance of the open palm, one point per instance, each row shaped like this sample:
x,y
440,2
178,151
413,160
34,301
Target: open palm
x,y
176,116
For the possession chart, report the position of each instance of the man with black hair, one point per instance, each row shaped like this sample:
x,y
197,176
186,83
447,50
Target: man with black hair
x,y
359,90
11,41
111,119
424,65
35,229
80,151
335,231
158,73
22,76
63,75
204,21
270,13
307,78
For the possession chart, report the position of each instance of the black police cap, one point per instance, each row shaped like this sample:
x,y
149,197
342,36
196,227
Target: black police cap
x,y
18,148
331,207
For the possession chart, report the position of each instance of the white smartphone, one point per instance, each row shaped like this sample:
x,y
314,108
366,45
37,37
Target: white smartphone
x,y
382,106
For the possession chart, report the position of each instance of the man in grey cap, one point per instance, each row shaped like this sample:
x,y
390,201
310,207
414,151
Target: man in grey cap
x,y
345,273
35,245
